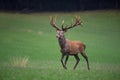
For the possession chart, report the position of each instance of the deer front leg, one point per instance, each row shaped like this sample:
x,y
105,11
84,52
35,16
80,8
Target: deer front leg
x,y
77,61
62,61
67,56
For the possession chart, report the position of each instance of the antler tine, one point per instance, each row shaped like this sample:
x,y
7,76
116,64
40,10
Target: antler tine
x,y
53,22
78,22
62,24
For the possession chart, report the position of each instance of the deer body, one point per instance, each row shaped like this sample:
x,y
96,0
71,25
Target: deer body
x,y
75,46
72,47
69,47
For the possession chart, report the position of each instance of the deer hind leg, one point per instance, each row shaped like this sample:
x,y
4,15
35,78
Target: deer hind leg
x,y
62,61
77,60
86,58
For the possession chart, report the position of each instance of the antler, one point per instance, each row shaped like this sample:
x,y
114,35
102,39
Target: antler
x,y
78,22
53,22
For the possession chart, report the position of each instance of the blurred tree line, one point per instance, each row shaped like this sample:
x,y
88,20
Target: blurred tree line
x,y
57,5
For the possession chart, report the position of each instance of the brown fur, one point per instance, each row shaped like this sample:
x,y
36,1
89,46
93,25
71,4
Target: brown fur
x,y
75,46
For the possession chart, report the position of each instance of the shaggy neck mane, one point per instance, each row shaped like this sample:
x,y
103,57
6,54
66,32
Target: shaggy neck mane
x,y
62,42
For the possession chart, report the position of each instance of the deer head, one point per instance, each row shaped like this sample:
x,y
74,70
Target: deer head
x,y
60,32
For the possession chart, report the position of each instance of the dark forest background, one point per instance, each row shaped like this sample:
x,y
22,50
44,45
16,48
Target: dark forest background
x,y
57,5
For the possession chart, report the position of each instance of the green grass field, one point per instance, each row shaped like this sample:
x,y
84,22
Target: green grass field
x,y
29,49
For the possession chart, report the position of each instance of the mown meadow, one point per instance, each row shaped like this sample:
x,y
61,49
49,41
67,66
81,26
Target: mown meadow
x,y
29,49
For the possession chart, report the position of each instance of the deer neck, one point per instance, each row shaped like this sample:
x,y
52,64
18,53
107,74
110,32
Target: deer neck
x,y
63,43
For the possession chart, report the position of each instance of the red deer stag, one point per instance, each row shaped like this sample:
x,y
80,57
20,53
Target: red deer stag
x,y
69,47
